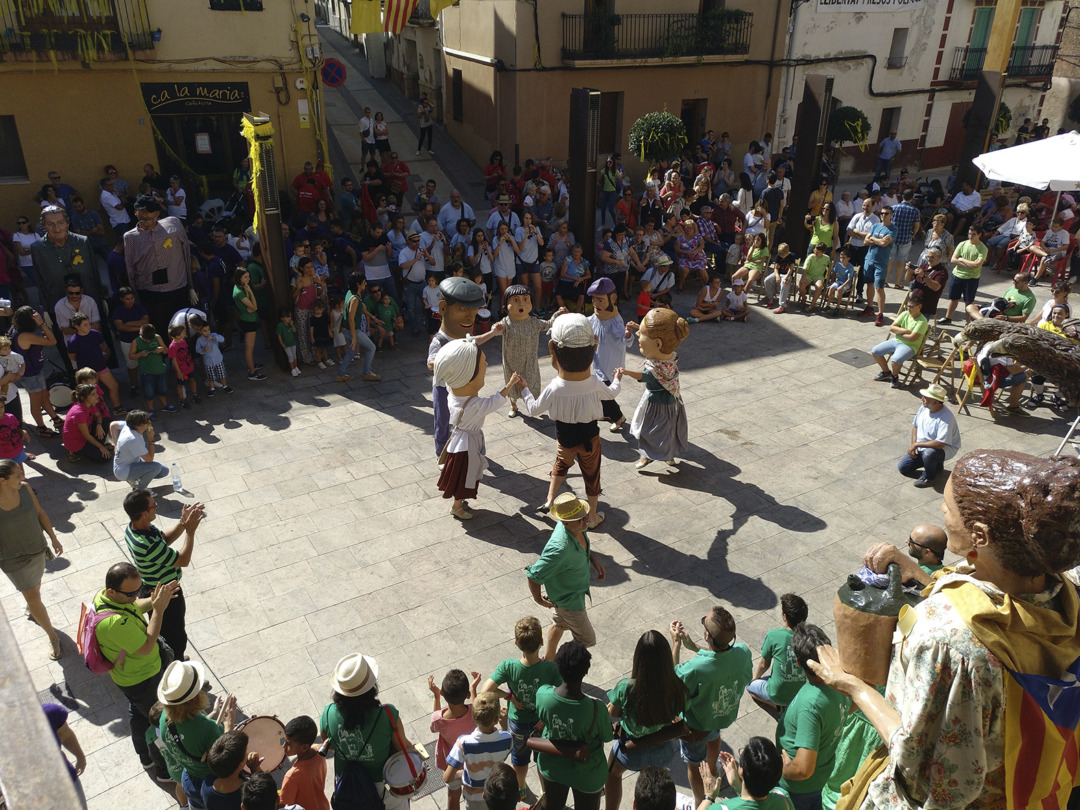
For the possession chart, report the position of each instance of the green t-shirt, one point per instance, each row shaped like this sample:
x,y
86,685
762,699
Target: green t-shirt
x,y
813,721
197,735
238,296
563,569
1020,303
523,680
907,323
153,363
287,334
816,266
973,253
858,739
777,799
756,258
620,698
566,719
176,770
930,569
258,276
716,682
387,313
126,631
823,232
370,743
786,676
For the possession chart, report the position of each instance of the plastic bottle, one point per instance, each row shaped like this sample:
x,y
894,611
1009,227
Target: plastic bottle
x,y
177,485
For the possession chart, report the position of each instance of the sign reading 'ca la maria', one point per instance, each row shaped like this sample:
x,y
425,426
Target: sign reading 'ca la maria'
x,y
182,98
860,6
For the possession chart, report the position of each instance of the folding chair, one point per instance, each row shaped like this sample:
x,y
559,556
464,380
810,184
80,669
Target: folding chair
x,y
932,356
847,300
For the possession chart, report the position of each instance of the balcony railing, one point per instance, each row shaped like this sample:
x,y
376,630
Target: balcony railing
x,y
656,36
86,28
1024,62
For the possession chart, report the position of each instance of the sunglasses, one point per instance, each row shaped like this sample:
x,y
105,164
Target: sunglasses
x,y
131,594
22,222
74,294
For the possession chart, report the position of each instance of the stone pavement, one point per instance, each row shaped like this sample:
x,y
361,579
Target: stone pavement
x,y
325,533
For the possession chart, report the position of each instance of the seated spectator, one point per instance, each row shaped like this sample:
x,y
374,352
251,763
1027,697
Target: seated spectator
x,y
778,659
815,272
661,277
84,433
842,277
1055,244
73,303
756,777
929,280
783,268
909,330
709,301
735,306
134,458
935,438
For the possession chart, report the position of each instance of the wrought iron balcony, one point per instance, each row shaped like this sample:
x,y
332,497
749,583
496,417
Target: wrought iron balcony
x,y
87,29
656,36
1025,61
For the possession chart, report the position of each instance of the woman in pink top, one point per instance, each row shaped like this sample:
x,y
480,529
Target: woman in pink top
x,y
84,433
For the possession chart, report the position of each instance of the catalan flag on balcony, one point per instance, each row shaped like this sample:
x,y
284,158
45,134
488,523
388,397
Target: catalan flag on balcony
x,y
366,17
397,14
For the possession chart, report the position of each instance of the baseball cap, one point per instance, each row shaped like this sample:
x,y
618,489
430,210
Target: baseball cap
x,y
572,331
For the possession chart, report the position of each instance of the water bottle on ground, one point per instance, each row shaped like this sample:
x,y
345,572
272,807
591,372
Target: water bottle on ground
x,y
177,485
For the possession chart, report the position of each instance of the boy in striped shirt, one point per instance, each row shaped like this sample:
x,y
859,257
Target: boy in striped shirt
x,y
157,562
475,754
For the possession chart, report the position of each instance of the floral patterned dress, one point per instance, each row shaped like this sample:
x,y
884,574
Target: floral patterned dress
x,y
694,256
520,343
949,750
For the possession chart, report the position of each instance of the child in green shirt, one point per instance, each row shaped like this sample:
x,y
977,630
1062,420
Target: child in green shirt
x,y
286,335
150,350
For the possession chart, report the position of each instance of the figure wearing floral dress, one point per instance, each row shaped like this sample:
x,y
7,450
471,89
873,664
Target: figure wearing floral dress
x,y
659,422
520,340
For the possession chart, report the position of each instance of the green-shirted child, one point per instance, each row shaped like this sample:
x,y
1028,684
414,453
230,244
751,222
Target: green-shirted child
x,y
286,335
786,676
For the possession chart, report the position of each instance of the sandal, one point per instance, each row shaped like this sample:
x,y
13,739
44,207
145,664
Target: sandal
x,y
46,432
54,651
461,513
595,520
58,423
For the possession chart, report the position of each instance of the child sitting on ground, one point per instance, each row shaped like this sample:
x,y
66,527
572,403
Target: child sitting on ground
x,y
87,376
735,306
473,754
453,721
321,337
208,346
86,348
149,349
286,337
786,676
226,759
304,784
843,276
522,677
183,365
12,437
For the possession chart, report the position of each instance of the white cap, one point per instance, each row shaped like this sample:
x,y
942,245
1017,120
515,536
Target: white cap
x,y
572,331
455,364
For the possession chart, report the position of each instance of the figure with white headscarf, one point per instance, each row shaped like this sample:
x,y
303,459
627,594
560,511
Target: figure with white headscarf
x,y
461,366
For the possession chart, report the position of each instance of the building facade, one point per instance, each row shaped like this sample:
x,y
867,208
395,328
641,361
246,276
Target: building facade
x,y
129,82
912,65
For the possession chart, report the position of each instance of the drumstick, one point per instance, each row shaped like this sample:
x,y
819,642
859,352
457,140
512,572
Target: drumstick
x,y
325,748
421,751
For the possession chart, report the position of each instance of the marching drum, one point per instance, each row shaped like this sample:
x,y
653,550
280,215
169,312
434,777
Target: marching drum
x,y
266,737
404,773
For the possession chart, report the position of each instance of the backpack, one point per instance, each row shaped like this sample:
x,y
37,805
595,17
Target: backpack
x,y
354,790
86,640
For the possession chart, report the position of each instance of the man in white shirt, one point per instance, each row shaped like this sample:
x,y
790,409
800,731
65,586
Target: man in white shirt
x,y
935,438
455,210
134,458
434,243
114,207
502,213
963,207
783,182
414,264
367,136
857,231
73,302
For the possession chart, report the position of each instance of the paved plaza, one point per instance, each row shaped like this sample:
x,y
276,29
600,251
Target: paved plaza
x,y
325,533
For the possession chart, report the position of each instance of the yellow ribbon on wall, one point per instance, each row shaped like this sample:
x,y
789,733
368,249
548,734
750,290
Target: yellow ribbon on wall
x,y
253,134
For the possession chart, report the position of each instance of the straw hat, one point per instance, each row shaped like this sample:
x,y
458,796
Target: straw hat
x,y
934,391
568,507
181,681
354,675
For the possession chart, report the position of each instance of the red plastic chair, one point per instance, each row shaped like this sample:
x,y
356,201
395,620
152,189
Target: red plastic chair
x,y
1061,271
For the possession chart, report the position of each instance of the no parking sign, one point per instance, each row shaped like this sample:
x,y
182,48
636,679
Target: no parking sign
x,y
333,73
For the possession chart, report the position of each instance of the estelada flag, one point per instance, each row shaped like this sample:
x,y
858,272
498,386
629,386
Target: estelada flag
x,y
1042,746
397,14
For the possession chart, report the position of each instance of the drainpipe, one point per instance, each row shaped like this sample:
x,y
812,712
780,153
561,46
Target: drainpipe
x,y
789,71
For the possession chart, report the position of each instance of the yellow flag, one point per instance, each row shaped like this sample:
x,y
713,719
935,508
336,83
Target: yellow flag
x,y
366,17
438,5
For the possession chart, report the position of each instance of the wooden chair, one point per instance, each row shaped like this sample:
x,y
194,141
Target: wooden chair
x,y
938,354
847,300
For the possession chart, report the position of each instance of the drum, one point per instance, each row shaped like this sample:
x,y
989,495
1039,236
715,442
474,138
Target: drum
x,y
398,773
483,321
60,395
266,737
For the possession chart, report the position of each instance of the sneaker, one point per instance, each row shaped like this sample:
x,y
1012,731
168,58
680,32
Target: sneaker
x,y
1035,400
371,376
896,382
431,153
295,372
195,398
256,376
879,320
883,376
210,392
322,366
780,310
868,311
944,321
418,153
691,320
343,378
152,414
170,409
1016,410
923,483
228,390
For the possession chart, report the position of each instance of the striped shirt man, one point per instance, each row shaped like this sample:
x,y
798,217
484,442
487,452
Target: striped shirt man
x,y
154,558
476,754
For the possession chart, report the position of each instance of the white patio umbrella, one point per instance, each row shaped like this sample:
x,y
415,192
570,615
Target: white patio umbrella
x,y
1052,163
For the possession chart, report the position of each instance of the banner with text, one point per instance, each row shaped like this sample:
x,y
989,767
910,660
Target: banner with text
x,y
183,98
862,6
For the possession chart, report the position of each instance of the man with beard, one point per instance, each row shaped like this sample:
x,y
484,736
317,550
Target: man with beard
x,y
458,305
158,258
925,554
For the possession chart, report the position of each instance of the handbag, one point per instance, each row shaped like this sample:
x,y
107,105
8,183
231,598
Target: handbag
x,y
443,455
576,750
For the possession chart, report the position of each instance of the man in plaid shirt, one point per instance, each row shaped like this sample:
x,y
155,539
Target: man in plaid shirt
x,y
906,220
707,229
